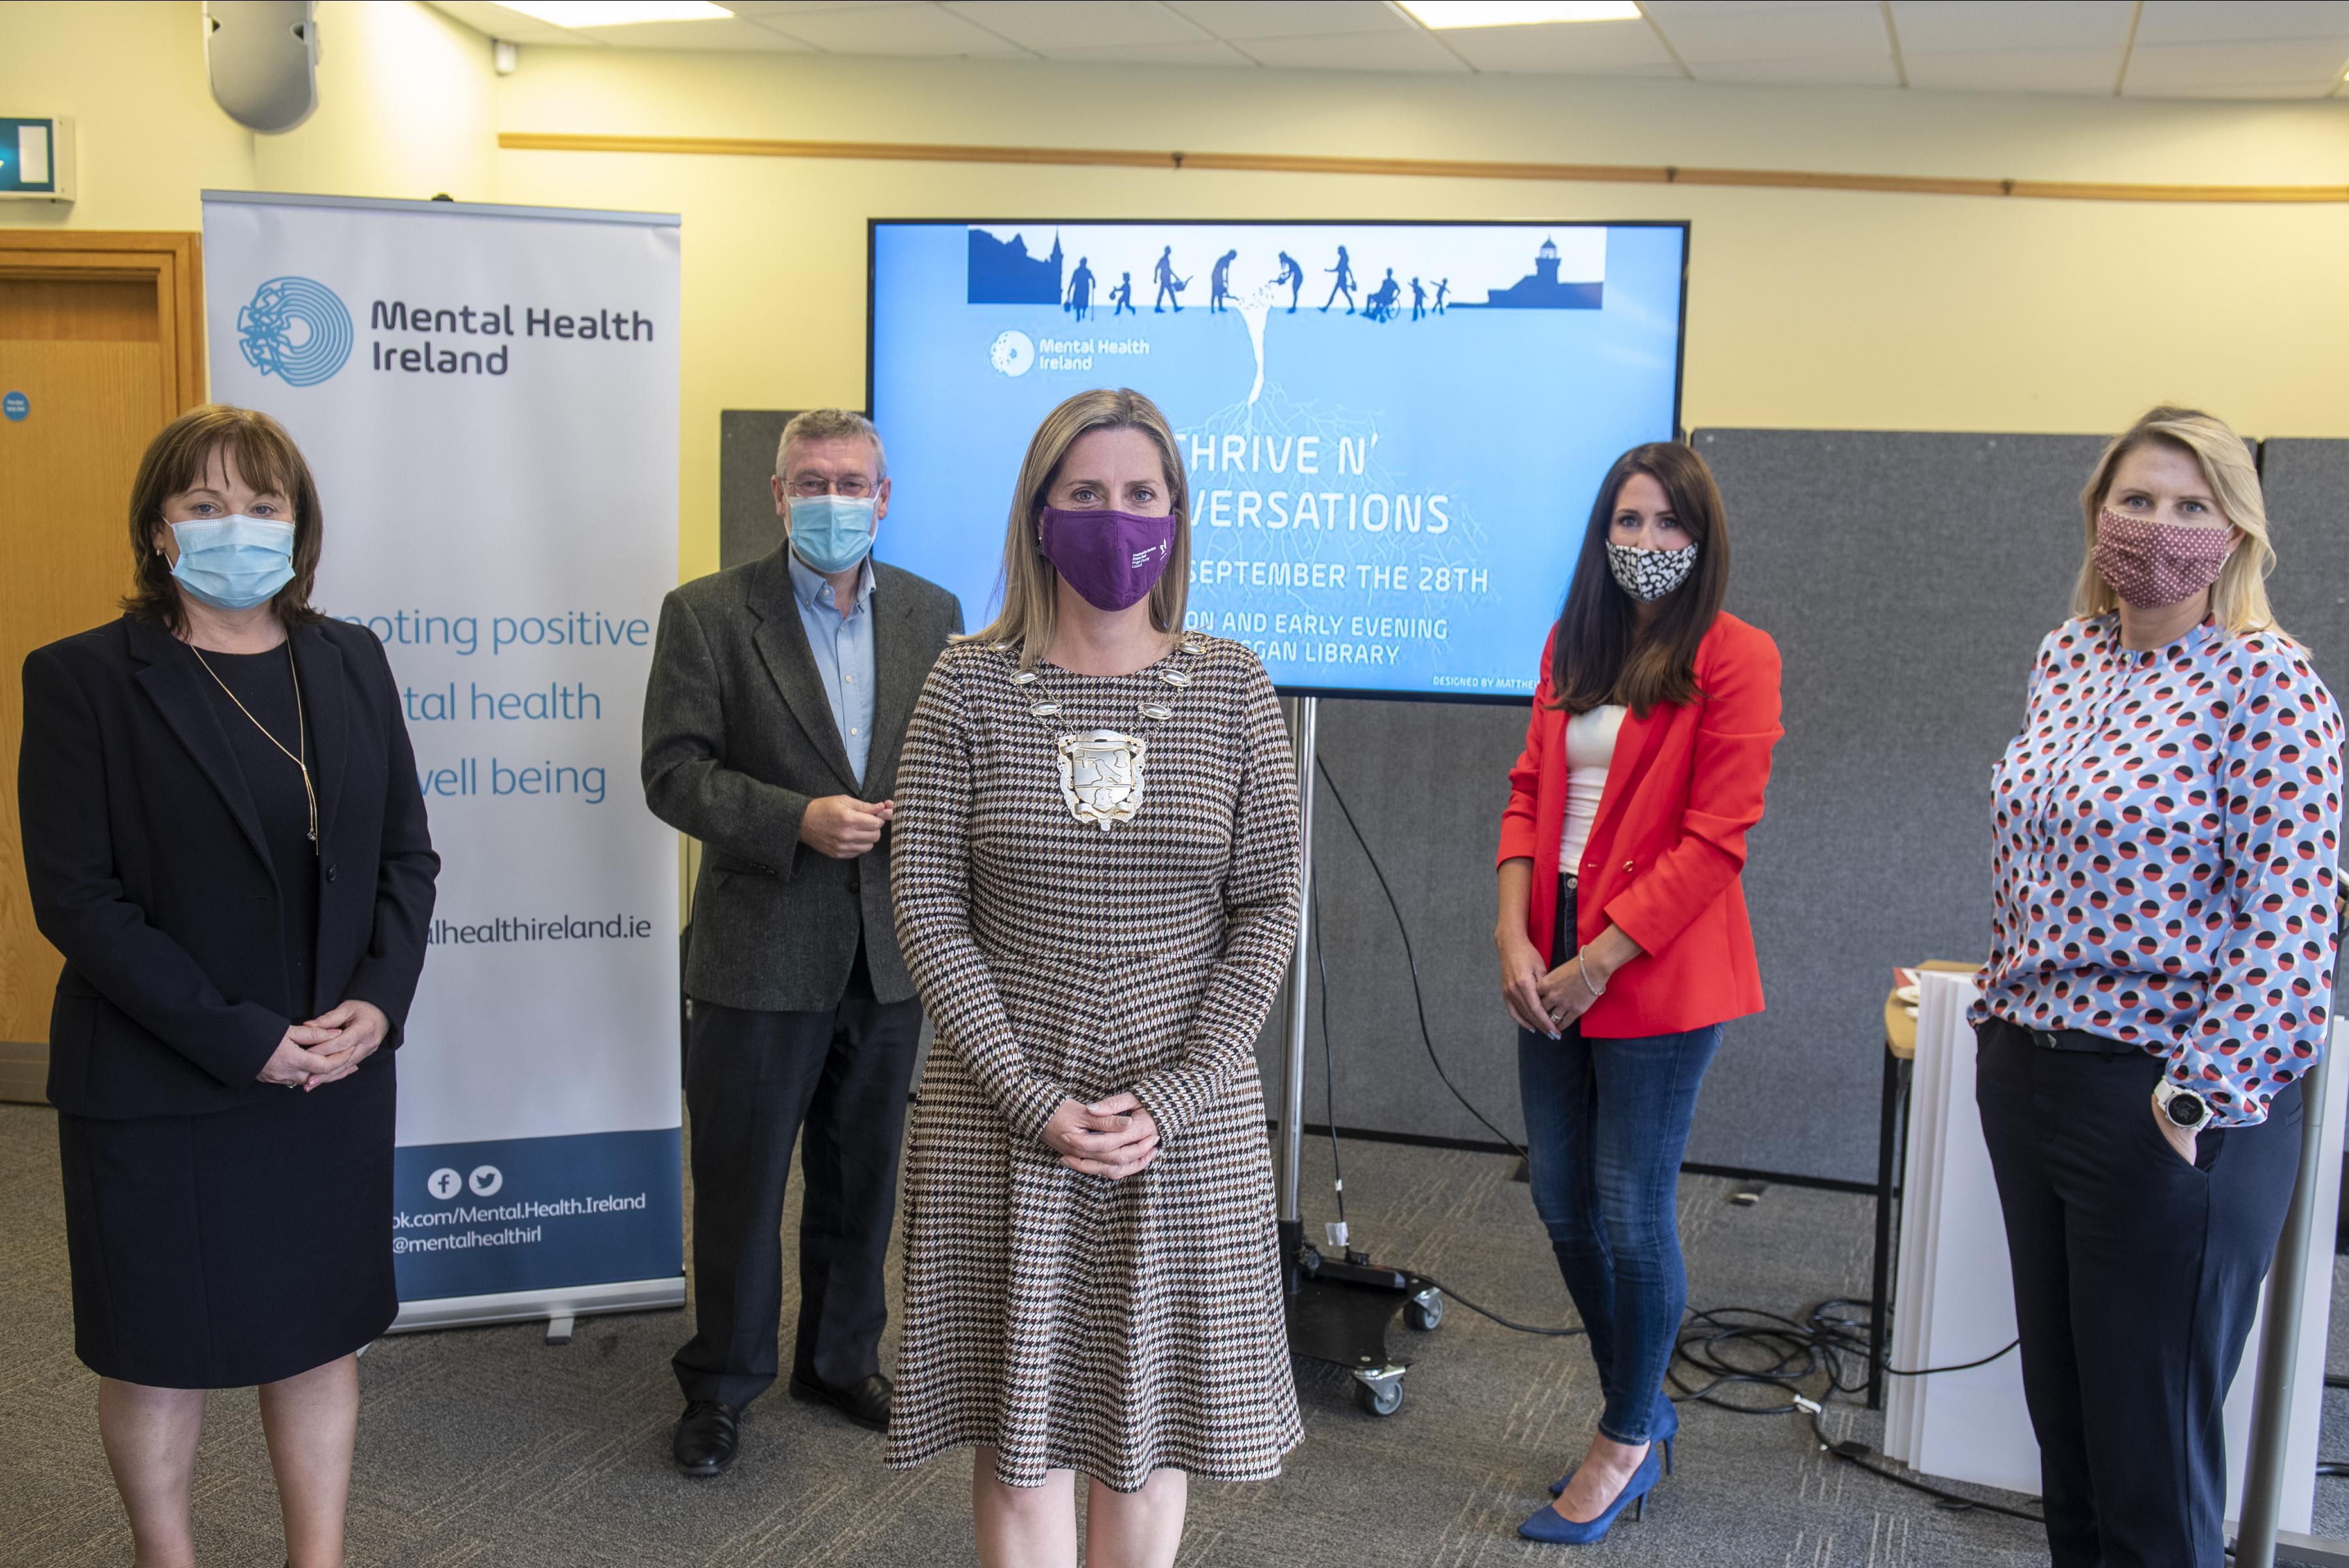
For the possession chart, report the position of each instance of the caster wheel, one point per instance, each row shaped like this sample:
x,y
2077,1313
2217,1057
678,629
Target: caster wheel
x,y
1424,1311
1379,1401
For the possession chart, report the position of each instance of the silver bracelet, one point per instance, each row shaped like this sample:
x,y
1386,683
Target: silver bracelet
x,y
1584,970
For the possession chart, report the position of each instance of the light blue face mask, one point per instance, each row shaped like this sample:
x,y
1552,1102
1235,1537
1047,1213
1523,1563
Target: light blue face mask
x,y
832,533
234,562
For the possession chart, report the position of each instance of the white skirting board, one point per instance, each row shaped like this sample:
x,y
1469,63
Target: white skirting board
x,y
529,1306
1953,1299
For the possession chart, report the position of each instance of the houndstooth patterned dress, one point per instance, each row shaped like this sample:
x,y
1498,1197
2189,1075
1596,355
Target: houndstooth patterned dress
x,y
1112,1328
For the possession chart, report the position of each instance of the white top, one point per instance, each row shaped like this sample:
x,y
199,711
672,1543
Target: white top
x,y
1589,751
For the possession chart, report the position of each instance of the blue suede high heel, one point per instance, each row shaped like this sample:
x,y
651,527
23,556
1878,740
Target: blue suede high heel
x,y
1668,1426
1549,1524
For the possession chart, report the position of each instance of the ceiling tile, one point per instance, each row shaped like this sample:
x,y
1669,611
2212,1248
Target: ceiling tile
x,y
1699,33
729,33
2312,63
1053,28
892,30
2090,71
1565,48
2201,21
1968,27
1825,70
1241,19
2235,93
1196,52
806,7
497,22
1412,51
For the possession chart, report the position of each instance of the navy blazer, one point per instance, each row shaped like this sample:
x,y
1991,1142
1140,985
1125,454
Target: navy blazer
x,y
149,872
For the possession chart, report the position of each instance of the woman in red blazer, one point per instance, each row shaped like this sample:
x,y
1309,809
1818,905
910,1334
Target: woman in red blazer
x,y
1623,938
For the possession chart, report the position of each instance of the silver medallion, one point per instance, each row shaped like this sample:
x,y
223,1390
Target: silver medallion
x,y
1101,776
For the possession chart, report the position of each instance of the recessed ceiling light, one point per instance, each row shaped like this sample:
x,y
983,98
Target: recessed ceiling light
x,y
614,13
1514,13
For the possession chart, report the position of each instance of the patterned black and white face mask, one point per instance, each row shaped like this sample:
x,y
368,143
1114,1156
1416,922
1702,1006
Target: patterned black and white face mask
x,y
1648,574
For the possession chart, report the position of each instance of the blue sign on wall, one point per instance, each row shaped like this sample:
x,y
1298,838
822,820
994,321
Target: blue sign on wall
x,y
15,406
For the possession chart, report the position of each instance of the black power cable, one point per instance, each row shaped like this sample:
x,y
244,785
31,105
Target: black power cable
x,y
1329,1063
1419,1002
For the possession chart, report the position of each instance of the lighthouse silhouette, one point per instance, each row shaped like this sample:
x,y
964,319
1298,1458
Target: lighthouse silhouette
x,y
1542,291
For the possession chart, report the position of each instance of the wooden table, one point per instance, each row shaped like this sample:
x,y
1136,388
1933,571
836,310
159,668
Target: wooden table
x,y
1891,1135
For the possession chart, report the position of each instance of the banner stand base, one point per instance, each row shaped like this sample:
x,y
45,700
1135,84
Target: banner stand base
x,y
528,1306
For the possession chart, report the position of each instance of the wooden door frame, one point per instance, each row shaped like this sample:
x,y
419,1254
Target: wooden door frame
x,y
171,262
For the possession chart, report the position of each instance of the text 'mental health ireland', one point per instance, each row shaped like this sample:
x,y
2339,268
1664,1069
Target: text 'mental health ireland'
x,y
1391,431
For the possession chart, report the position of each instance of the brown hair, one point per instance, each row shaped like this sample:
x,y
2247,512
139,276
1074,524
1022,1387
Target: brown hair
x,y
2240,597
1031,584
177,460
1601,654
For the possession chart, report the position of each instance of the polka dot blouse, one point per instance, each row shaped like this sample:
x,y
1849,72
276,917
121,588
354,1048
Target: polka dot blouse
x,y
2168,826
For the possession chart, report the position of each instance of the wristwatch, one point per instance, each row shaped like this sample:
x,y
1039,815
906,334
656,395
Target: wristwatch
x,y
2187,1110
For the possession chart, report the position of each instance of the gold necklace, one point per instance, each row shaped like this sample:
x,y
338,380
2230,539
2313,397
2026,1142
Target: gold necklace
x,y
301,728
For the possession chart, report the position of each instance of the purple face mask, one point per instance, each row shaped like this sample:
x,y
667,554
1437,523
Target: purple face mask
x,y
1112,558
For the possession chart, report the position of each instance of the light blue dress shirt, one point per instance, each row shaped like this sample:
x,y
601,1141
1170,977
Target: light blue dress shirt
x,y
842,645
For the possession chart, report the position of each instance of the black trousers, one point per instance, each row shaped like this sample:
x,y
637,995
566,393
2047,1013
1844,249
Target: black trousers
x,y
755,1083
2135,1277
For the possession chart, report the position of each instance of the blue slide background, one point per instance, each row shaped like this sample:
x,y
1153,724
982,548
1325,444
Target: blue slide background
x,y
1510,416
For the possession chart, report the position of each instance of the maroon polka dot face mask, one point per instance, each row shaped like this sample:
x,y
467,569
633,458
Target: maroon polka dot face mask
x,y
2153,565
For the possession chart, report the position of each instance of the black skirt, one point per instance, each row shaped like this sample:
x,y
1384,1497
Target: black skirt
x,y
228,1249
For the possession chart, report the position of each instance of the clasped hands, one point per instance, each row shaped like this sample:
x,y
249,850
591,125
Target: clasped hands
x,y
329,1046
1112,1137
1546,1003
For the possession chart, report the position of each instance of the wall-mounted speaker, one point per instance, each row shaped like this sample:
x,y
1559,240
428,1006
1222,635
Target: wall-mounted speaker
x,y
264,59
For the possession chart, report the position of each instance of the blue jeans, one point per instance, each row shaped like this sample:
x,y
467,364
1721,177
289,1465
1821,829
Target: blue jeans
x,y
1606,1124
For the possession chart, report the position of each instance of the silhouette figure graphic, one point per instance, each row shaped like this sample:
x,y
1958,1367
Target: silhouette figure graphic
x,y
1344,285
1170,287
1294,276
1380,306
1219,282
1418,296
1443,288
1121,296
1080,290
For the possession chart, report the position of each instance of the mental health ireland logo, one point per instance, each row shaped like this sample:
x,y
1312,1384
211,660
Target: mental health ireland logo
x,y
296,330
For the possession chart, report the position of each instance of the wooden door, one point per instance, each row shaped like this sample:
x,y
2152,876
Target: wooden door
x,y
100,346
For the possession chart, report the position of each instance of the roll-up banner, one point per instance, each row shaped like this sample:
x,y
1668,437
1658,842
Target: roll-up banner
x,y
488,396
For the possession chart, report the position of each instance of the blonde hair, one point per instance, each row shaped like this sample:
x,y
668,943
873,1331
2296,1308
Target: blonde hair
x,y
2239,598
831,425
1031,586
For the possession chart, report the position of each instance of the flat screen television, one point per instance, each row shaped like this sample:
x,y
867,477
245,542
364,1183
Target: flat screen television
x,y
1393,430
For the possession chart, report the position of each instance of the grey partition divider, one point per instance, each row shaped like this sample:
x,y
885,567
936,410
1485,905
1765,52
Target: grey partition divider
x,y
748,527
1908,579
2307,486
1426,782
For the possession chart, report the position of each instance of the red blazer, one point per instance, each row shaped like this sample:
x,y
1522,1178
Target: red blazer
x,y
1668,841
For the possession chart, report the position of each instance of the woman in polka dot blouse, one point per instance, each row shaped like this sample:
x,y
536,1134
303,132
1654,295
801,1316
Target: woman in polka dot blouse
x,y
2166,830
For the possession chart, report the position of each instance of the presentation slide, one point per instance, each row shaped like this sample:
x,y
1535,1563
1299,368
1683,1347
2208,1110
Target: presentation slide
x,y
1392,430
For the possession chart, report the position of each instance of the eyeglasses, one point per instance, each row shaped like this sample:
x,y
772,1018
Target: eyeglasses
x,y
808,486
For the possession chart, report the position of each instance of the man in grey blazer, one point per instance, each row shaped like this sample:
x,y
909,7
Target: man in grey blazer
x,y
777,706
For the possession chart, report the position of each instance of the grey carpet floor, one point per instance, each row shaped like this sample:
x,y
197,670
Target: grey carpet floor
x,y
489,1448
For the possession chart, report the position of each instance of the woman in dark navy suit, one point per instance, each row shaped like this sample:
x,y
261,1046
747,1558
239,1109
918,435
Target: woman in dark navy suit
x,y
225,837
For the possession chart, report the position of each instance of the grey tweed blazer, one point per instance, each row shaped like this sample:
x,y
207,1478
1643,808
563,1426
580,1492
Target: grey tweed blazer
x,y
738,737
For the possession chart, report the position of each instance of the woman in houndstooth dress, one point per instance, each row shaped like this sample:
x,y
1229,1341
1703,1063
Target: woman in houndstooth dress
x,y
1091,1278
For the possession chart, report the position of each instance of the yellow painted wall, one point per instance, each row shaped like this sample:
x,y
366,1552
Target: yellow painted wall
x,y
1806,309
